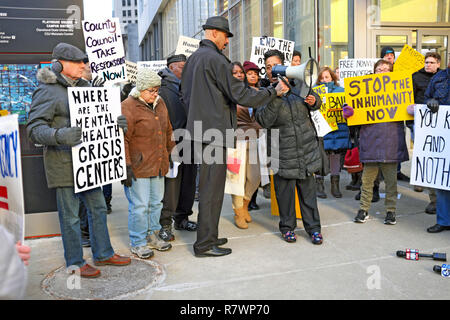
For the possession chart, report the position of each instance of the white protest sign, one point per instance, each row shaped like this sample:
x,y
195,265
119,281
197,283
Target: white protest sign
x,y
100,158
430,164
261,45
236,159
104,46
155,66
349,68
12,208
187,46
322,126
131,71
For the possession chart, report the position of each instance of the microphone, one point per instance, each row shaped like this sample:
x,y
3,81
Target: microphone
x,y
443,270
411,254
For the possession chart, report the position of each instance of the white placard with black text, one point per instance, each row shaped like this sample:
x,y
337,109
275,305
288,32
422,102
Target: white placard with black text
x,y
100,158
430,164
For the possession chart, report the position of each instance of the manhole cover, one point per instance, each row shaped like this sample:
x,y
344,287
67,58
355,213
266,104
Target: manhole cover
x,y
113,283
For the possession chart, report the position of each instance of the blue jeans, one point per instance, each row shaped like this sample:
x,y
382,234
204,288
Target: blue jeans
x,y
68,210
443,207
144,210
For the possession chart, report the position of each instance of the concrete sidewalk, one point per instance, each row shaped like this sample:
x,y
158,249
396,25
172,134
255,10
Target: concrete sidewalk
x,y
356,261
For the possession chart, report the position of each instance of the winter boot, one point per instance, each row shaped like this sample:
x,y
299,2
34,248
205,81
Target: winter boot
x,y
247,216
352,184
335,187
320,189
239,218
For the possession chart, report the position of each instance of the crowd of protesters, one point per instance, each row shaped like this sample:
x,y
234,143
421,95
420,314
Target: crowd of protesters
x,y
224,96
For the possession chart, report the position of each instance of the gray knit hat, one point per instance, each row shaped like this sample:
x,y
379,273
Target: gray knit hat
x,y
147,78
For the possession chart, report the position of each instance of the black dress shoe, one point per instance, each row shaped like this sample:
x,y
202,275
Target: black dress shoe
x,y
215,251
437,228
221,241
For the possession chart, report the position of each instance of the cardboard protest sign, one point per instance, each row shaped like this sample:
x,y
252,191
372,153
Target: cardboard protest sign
x,y
155,66
12,207
131,71
381,97
104,46
187,46
331,108
430,164
409,60
349,68
100,158
262,44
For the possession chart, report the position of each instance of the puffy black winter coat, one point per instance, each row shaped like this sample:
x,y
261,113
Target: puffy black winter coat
x,y
298,151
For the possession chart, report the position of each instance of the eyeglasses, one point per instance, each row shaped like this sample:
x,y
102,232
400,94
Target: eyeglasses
x,y
153,91
382,69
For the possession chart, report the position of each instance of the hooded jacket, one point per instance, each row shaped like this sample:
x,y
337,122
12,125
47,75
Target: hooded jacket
x,y
211,93
50,111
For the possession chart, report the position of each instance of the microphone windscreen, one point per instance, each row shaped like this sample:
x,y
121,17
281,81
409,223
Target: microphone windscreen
x,y
401,253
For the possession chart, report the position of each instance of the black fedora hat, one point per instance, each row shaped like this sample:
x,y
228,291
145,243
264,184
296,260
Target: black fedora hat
x,y
219,23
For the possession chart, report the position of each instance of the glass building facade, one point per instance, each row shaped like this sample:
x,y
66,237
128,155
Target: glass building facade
x,y
333,29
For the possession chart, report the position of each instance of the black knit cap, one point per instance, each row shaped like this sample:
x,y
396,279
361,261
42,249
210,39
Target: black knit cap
x,y
386,50
176,58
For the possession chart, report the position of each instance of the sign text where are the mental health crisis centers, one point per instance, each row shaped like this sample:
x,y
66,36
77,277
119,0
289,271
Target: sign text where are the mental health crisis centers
x,y
381,97
104,46
430,164
100,158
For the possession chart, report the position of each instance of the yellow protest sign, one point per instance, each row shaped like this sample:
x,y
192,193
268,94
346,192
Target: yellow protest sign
x,y
320,90
381,97
331,108
409,60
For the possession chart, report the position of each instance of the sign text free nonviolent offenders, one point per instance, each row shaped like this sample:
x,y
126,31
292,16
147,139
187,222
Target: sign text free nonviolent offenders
x,y
430,164
349,68
104,46
100,158
261,45
379,98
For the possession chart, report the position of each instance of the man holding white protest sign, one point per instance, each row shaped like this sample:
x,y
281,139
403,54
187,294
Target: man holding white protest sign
x,y
435,122
49,125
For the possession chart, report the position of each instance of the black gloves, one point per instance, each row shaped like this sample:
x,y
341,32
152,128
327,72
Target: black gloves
x,y
433,105
68,136
122,123
98,82
130,177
